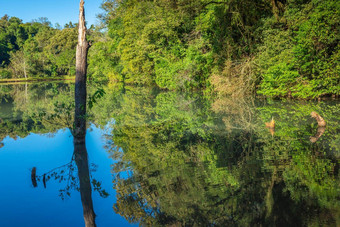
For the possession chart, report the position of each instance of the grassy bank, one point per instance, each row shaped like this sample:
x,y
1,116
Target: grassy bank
x,y
35,79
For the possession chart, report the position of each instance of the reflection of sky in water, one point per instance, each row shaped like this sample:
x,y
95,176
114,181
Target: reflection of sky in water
x,y
22,204
181,152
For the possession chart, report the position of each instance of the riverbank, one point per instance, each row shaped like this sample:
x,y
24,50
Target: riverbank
x,y
35,79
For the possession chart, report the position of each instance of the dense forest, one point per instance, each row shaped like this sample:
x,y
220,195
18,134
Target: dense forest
x,y
275,48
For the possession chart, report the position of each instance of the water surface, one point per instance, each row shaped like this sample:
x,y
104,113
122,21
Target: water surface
x,y
161,158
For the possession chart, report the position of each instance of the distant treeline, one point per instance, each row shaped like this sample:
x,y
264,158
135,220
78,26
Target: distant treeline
x,y
36,48
277,48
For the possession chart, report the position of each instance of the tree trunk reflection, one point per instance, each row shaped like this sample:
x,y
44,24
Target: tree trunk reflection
x,y
80,155
79,131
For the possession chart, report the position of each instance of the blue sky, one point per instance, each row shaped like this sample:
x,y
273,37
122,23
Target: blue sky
x,y
57,11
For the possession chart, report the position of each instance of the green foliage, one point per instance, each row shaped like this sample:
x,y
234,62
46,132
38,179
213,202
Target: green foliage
x,y
103,60
99,93
183,158
300,53
36,49
177,45
179,163
279,80
61,51
278,48
186,44
4,74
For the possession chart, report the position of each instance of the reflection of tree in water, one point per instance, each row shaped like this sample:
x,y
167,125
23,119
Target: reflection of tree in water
x,y
175,167
80,156
77,174
184,189
19,119
68,174
81,160
184,161
60,116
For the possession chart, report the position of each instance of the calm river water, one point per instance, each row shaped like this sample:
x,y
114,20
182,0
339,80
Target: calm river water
x,y
160,158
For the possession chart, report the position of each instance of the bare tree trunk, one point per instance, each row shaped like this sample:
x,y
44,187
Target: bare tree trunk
x,y
79,130
81,70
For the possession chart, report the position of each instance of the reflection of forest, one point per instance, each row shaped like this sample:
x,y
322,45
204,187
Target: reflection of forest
x,y
22,108
186,162
53,119
186,159
42,108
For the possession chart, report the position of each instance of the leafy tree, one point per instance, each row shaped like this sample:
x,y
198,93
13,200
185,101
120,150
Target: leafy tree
x,y
300,51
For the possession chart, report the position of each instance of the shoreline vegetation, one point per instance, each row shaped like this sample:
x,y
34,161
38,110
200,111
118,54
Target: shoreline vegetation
x,y
271,48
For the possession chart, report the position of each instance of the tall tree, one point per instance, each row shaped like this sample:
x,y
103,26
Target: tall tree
x,y
81,70
80,121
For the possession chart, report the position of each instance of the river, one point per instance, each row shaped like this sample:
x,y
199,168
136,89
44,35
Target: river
x,y
163,158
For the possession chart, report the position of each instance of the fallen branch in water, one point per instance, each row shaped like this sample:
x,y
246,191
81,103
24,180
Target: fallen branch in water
x,y
319,119
33,177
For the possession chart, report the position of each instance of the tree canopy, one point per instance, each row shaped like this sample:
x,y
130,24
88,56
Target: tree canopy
x,y
275,48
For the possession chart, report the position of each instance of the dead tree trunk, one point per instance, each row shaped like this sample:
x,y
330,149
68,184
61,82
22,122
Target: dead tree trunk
x,y
81,70
79,129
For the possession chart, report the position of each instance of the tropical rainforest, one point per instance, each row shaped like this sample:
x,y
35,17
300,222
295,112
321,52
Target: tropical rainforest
x,y
189,138
274,48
